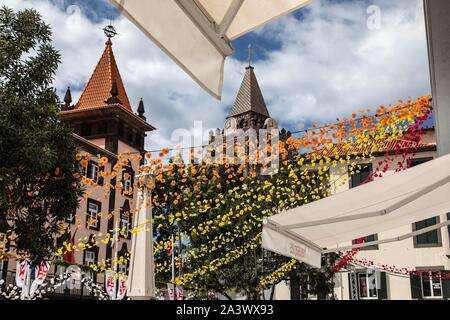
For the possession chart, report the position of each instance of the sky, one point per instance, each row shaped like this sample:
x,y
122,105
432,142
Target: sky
x,y
327,60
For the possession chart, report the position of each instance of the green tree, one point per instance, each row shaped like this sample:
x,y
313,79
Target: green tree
x,y
39,176
192,195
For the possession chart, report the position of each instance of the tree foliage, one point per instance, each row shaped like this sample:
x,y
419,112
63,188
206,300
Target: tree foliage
x,y
39,175
245,197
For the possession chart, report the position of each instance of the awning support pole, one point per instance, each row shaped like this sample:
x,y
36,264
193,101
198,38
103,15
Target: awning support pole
x,y
229,17
207,27
399,238
278,228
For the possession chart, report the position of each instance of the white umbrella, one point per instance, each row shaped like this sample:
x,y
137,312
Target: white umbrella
x,y
419,193
196,34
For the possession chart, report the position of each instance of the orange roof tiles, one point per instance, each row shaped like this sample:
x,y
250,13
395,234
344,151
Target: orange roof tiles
x,y
97,90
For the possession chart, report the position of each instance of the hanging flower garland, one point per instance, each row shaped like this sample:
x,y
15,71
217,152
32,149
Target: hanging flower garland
x,y
181,185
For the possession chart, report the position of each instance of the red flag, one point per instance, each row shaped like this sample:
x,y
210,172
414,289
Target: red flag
x,y
70,256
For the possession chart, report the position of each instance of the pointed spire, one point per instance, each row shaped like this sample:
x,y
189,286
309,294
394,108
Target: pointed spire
x,y
249,98
105,83
113,99
68,98
141,110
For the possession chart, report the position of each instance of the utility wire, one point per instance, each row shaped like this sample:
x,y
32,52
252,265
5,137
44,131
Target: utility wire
x,y
292,132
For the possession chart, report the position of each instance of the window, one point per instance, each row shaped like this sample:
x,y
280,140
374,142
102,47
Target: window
x,y
89,259
431,284
92,171
102,127
92,217
138,140
127,183
120,130
125,220
125,224
3,239
359,175
448,227
86,129
71,217
122,268
367,285
130,134
429,239
371,238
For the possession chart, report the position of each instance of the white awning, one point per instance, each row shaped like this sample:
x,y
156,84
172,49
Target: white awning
x,y
196,34
391,202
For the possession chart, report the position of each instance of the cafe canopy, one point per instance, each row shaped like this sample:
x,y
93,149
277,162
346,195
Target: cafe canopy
x,y
307,232
196,34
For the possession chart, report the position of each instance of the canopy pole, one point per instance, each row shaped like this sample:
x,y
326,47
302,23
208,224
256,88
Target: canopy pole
x,y
399,238
388,210
229,17
207,27
278,228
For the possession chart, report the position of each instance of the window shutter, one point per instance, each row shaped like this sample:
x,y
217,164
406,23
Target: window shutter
x,y
130,226
295,287
382,292
89,170
416,286
446,284
100,180
352,286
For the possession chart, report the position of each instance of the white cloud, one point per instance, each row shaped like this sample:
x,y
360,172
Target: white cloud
x,y
331,64
328,64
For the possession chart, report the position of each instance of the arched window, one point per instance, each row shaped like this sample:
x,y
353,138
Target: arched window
x,y
125,220
122,268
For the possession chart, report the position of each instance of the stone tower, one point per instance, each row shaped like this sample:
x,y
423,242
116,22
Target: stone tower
x,y
249,110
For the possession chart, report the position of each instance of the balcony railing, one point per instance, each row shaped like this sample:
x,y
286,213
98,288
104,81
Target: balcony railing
x,y
69,289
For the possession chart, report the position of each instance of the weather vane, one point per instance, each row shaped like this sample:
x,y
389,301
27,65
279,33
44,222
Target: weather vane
x,y
250,55
110,31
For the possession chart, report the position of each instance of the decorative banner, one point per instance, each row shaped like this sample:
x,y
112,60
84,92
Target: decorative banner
x,y
21,272
110,284
170,291
180,292
122,287
40,273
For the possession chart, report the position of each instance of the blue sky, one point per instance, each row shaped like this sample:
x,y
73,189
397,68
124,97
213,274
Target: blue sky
x,y
318,63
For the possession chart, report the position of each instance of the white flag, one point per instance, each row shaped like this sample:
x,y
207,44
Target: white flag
x,y
122,287
171,291
40,273
110,283
180,293
21,272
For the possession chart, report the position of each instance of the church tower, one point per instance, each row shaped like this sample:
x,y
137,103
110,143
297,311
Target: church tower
x,y
249,110
105,125
103,114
